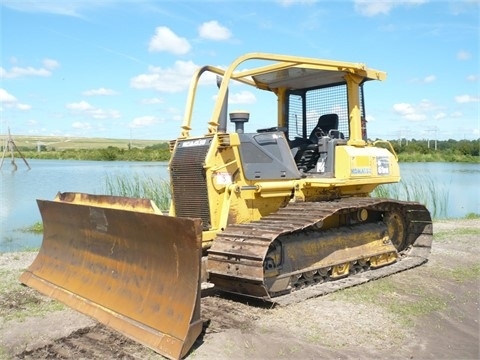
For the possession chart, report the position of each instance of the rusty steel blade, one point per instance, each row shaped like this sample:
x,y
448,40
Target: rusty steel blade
x,y
136,272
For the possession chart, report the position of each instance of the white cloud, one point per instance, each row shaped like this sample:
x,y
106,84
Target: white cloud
x,y
382,7
79,106
23,107
10,101
403,108
17,71
144,121
242,97
99,91
6,97
463,55
26,71
409,112
372,8
212,30
424,110
463,99
165,39
168,80
84,108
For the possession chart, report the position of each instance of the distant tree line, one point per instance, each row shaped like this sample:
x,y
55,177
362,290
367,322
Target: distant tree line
x,y
157,152
437,150
407,150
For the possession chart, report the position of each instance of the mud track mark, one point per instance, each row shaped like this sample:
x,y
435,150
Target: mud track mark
x,y
88,343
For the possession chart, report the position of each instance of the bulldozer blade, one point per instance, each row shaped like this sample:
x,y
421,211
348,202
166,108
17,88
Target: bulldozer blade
x,y
121,262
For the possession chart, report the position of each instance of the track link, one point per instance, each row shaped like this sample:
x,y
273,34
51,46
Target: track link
x,y
237,258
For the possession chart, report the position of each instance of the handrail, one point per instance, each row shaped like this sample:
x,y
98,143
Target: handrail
x,y
392,150
283,62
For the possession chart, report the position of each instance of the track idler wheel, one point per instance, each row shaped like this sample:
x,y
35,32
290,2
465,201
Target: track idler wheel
x,y
396,229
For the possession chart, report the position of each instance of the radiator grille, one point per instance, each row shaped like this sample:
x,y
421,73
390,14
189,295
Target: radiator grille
x,y
189,187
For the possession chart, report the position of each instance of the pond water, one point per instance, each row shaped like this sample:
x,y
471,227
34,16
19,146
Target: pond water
x,y
456,183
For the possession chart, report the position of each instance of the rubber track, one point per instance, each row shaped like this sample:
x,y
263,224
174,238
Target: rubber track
x,y
248,244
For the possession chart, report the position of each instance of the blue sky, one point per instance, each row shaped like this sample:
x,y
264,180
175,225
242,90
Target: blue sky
x,y
121,69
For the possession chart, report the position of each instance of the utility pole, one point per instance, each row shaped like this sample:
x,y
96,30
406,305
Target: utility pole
x,y
434,130
10,146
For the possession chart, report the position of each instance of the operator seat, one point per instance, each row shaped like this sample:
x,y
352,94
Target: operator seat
x,y
325,123
306,151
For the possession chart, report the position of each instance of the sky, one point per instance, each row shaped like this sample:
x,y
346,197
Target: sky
x,y
121,69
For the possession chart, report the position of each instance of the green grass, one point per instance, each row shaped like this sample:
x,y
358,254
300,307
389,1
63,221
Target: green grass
x,y
452,234
422,306
6,282
438,156
18,302
157,190
22,303
406,302
465,273
460,274
420,188
3,353
36,228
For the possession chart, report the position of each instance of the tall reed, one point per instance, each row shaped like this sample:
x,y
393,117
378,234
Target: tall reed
x,y
418,187
155,189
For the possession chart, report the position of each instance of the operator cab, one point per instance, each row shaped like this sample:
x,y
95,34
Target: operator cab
x,y
317,123
320,107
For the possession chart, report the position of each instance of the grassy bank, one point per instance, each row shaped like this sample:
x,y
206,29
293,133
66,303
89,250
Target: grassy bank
x,y
59,143
438,157
101,149
77,148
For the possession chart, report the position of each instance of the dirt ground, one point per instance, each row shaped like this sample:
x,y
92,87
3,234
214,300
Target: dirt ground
x,y
430,312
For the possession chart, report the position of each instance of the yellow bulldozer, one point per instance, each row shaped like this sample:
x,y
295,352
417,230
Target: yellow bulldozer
x,y
276,213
